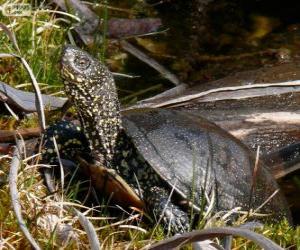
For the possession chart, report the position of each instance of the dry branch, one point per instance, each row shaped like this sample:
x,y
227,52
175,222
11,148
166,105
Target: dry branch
x,y
205,234
13,180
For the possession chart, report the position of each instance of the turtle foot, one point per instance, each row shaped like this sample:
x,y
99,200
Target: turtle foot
x,y
174,219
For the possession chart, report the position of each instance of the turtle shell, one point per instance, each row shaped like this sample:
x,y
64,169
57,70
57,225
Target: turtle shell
x,y
194,155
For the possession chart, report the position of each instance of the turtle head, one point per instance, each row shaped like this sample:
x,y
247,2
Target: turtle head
x,y
91,87
81,70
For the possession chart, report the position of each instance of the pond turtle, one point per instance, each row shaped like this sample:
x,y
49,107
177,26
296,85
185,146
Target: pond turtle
x,y
171,159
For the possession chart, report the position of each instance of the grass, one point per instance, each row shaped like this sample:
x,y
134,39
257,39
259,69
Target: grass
x,y
40,37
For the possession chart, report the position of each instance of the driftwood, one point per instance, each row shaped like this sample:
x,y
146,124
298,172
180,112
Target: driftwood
x,y
25,101
259,107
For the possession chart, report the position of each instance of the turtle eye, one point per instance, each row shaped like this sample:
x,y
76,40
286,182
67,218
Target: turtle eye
x,y
82,62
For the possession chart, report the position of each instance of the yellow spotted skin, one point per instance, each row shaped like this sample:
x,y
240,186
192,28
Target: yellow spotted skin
x,y
69,138
91,88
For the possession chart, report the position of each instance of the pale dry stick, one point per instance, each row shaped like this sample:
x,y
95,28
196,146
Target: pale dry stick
x,y
99,5
13,179
14,115
134,227
62,175
211,203
89,21
7,55
13,24
244,213
39,100
205,234
61,13
33,33
224,89
151,62
57,93
70,36
267,200
33,157
254,175
27,84
11,36
230,212
119,222
72,204
22,144
5,157
100,218
110,235
150,34
133,209
52,24
4,242
122,75
47,26
90,231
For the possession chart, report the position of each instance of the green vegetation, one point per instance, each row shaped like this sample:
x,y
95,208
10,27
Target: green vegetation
x,y
39,37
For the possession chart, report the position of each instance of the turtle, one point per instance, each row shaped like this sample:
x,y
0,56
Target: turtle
x,y
174,161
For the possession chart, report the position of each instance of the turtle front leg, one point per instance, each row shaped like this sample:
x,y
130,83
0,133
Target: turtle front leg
x,y
174,219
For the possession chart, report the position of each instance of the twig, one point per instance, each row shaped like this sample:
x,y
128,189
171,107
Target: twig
x,y
254,175
11,36
9,135
13,178
267,200
38,95
11,111
90,230
121,75
150,61
205,234
224,89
